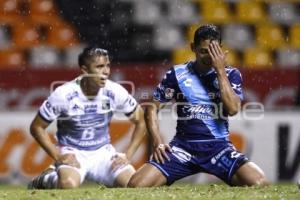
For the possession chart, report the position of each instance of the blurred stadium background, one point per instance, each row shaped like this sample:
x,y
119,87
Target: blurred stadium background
x,y
41,39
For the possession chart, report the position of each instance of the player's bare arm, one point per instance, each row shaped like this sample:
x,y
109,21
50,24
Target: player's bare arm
x,y
159,149
137,118
139,132
231,101
37,130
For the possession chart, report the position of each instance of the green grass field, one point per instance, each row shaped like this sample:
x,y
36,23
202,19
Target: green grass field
x,y
182,192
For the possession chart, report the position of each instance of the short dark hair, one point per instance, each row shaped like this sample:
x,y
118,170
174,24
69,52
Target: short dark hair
x,y
89,52
207,32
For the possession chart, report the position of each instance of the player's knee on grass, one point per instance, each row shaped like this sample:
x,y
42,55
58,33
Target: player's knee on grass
x,y
259,180
147,176
69,177
68,183
123,178
249,175
134,181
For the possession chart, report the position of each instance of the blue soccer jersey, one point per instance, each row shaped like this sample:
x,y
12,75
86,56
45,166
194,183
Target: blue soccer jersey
x,y
199,108
201,142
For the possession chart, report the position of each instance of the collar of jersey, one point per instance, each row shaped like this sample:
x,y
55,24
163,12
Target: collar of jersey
x,y
191,65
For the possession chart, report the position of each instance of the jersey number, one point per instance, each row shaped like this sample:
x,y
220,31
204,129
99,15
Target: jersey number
x,y
88,134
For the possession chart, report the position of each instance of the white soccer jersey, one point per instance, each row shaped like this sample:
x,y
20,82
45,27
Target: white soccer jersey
x,y
84,123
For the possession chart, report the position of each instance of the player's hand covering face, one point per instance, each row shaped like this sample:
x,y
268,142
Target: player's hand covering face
x,y
217,55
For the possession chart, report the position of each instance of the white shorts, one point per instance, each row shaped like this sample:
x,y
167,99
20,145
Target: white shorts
x,y
95,165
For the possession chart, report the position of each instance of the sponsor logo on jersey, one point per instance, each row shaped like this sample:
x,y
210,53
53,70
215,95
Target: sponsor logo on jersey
x,y
90,108
200,111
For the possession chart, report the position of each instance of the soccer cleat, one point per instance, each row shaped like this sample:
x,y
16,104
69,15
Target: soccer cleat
x,y
37,182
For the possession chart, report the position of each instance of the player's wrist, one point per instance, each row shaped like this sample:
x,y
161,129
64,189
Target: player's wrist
x,y
56,156
126,157
220,70
156,142
158,145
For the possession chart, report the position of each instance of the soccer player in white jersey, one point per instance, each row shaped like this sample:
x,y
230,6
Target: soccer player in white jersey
x,y
83,109
206,92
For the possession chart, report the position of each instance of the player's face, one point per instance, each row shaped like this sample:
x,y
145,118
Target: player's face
x,y
99,70
201,51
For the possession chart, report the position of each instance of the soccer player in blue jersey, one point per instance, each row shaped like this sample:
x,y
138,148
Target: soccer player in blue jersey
x,y
83,109
206,92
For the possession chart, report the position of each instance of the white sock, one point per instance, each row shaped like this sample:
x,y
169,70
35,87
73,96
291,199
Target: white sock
x,y
50,180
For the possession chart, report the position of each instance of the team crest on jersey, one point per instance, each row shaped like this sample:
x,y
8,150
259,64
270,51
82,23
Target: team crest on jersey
x,y
105,104
109,94
216,83
169,93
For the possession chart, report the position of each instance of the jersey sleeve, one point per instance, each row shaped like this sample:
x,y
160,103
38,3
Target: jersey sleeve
x,y
167,88
52,107
235,79
124,102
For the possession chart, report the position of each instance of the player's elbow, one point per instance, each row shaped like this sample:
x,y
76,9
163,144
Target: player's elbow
x,y
150,109
33,129
140,119
233,112
234,109
143,127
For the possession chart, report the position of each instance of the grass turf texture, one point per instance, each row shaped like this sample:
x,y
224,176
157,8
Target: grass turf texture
x,y
187,191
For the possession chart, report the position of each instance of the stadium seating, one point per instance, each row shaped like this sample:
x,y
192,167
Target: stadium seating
x,y
215,12
70,58
147,12
250,12
288,58
190,32
43,12
232,58
9,11
238,36
270,36
62,36
26,36
283,12
294,34
167,37
14,59
4,38
258,58
182,55
43,57
150,30
182,12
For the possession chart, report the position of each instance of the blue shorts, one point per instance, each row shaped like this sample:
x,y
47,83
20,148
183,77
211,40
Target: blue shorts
x,y
216,157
